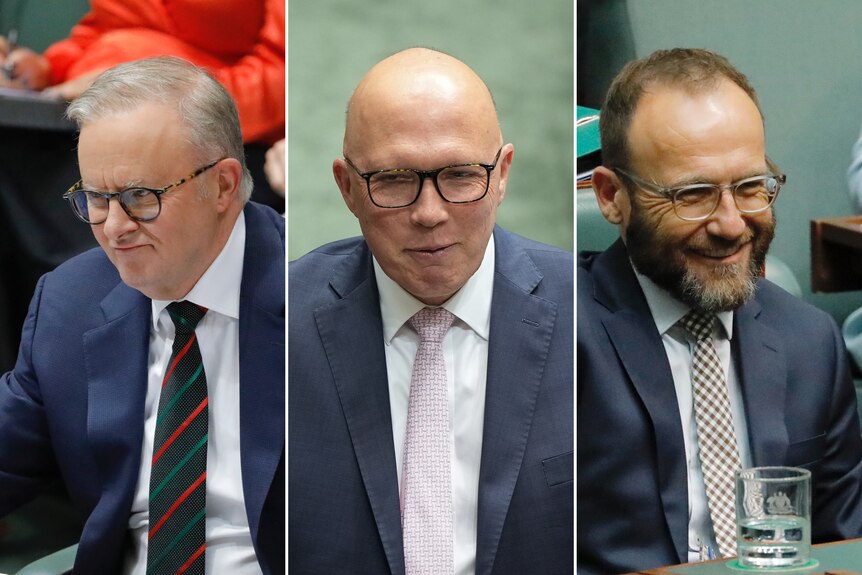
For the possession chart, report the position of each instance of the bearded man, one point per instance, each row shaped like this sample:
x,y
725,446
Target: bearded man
x,y
690,365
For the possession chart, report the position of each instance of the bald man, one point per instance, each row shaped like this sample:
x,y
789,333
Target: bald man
x,y
466,439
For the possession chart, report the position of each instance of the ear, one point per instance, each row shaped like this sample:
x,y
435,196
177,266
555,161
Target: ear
x,y
229,178
611,195
503,164
341,172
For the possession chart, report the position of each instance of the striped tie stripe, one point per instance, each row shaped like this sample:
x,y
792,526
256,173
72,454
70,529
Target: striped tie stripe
x,y
192,559
177,359
177,533
180,429
176,541
164,482
179,394
176,504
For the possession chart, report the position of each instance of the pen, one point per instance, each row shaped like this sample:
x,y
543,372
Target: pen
x,y
11,45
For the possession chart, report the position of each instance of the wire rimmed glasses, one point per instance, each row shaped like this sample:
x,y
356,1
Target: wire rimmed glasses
x,y
140,204
400,187
696,202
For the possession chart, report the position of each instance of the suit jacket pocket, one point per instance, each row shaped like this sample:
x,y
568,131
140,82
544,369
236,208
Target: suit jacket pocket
x,y
803,453
559,469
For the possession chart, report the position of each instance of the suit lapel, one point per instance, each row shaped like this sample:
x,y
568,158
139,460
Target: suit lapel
x,y
637,342
116,392
762,377
520,336
351,331
261,360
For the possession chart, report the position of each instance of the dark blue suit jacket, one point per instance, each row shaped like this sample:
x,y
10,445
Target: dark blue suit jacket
x,y
343,493
800,407
74,404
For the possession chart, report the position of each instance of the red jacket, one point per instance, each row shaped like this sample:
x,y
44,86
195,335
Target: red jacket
x,y
241,42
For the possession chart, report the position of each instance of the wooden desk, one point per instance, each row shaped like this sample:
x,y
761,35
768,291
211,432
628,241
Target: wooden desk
x,y
840,558
836,254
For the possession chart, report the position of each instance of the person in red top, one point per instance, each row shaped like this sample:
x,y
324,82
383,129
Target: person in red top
x,y
240,42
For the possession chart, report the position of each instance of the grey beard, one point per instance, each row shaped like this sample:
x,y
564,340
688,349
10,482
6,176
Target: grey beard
x,y
731,288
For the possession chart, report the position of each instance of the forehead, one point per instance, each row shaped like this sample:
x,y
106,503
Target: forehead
x,y
122,147
150,123
422,125
430,117
674,130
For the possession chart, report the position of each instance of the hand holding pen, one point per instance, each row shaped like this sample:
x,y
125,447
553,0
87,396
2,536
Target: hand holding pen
x,y
21,67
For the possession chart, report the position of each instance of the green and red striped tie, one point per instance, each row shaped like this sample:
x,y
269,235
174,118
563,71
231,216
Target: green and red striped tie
x,y
177,538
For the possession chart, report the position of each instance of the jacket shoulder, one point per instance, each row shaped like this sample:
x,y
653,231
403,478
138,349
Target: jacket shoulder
x,y
309,276
781,307
322,260
554,263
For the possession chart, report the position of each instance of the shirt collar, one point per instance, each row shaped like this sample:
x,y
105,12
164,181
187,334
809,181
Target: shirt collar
x,y
667,310
218,288
471,304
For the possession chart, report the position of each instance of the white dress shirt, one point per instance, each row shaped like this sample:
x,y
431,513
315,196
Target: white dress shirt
x,y
679,346
229,546
465,348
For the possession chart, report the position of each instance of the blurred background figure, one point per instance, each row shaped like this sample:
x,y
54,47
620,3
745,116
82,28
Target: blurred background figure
x,y
274,167
241,43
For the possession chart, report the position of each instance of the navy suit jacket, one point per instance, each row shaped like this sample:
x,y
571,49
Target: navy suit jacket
x,y
799,404
343,509
73,406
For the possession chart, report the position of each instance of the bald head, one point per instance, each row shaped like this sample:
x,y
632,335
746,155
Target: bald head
x,y
423,111
418,94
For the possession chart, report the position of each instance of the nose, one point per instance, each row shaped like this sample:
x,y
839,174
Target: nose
x,y
118,223
430,209
726,221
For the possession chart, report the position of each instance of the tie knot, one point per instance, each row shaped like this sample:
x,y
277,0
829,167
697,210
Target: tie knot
x,y
185,315
432,323
698,323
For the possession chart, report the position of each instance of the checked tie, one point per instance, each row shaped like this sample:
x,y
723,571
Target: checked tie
x,y
177,542
716,439
426,504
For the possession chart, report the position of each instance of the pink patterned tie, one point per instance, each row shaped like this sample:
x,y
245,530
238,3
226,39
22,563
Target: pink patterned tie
x,y
719,456
426,498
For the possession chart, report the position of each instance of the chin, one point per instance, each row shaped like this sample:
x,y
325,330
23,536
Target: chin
x,y
725,288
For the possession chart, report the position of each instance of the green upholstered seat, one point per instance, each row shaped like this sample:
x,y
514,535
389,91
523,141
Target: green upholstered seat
x,y
57,563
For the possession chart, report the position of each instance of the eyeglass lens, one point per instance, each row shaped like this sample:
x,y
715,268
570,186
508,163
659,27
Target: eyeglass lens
x,y
396,188
752,195
139,203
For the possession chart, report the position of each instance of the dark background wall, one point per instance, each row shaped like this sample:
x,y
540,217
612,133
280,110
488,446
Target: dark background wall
x,y
523,51
803,58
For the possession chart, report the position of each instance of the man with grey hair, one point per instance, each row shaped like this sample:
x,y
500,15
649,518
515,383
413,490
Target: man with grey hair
x,y
151,371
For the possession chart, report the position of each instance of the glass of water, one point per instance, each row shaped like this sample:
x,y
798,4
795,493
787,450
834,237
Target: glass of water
x,y
773,517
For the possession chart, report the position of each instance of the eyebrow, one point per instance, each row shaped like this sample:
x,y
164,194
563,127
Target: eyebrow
x,y
128,185
694,180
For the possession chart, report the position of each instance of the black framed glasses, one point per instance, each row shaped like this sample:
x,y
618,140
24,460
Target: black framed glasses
x,y
139,203
400,187
696,202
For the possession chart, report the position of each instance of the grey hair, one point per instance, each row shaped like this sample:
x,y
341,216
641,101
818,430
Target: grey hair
x,y
204,106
